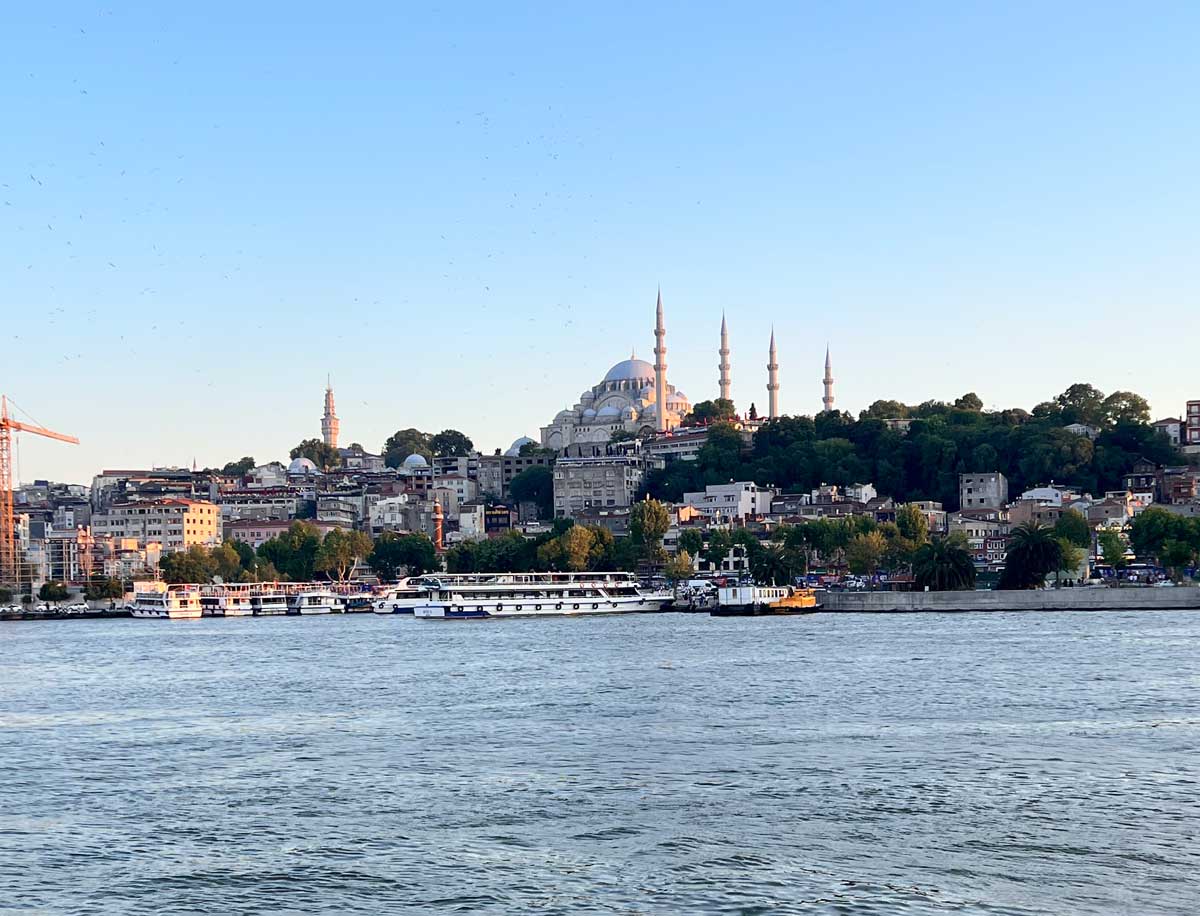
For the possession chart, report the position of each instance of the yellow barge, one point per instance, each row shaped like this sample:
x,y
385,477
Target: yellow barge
x,y
754,601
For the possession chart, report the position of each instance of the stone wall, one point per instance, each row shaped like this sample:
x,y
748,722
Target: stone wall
x,y
1062,599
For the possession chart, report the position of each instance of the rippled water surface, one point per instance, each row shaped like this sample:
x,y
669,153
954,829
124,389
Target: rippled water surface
x,y
1036,763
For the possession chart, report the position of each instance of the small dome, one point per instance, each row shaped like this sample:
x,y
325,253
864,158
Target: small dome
x,y
302,465
415,461
630,369
589,414
515,449
608,410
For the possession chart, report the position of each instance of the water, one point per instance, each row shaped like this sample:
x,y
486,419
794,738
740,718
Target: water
x,y
1001,764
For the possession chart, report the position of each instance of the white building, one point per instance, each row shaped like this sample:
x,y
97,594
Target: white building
x,y
727,501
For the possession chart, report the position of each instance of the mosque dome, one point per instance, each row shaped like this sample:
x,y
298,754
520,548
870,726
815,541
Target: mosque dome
x,y
589,414
415,461
302,466
631,369
608,410
515,449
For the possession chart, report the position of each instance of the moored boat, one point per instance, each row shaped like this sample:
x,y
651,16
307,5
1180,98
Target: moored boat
x,y
402,597
486,595
166,602
755,601
314,601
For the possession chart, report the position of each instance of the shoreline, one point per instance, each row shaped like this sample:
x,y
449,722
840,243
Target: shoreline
x,y
1180,598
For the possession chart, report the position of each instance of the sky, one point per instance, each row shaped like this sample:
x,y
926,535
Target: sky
x,y
462,212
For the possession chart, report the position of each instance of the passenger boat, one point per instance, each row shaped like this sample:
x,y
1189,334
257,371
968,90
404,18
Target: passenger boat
x,y
314,601
168,602
754,601
403,597
226,600
482,595
268,601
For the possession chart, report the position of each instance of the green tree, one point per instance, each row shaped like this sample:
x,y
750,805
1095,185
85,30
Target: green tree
x,y
532,449
712,411
53,591
622,435
1033,553
1176,555
679,567
102,589
943,565
227,562
773,564
969,401
392,553
1072,526
1112,548
325,457
1082,403
405,442
535,485
294,553
648,522
6,595
691,540
194,565
912,523
1070,557
1125,407
721,453
865,552
340,550
578,543
239,468
451,443
719,544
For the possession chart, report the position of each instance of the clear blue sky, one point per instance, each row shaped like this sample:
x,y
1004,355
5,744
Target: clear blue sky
x,y
462,212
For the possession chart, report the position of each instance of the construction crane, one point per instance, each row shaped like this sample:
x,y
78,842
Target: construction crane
x,y
9,567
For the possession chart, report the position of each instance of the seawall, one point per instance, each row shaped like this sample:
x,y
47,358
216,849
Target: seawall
x,y
1049,599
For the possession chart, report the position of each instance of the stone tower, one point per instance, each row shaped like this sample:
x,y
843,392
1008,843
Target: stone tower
x,y
329,422
660,367
827,400
724,366
773,381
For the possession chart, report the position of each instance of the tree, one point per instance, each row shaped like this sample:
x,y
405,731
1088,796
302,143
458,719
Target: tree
x,y
53,591
943,565
721,453
679,567
1070,558
340,550
1072,526
719,409
325,457
648,522
6,595
239,468
719,545
865,552
1125,407
194,565
691,540
1112,548
912,523
451,443
102,589
969,401
1033,553
405,442
753,413
1176,555
535,485
294,553
227,562
532,449
394,552
577,543
1082,403
773,564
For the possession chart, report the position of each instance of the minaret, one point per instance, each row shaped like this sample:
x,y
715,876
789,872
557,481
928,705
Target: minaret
x,y
660,367
773,381
724,367
329,422
828,380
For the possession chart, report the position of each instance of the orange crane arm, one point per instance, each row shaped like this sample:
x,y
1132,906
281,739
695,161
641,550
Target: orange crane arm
x,y
39,431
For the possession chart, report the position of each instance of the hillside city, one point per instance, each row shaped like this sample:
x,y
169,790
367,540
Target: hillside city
x,y
843,501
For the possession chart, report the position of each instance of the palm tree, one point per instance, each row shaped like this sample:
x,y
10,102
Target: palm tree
x,y
774,564
943,565
1033,553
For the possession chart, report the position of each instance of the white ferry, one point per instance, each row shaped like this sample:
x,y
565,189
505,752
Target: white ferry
x,y
403,597
168,602
226,600
268,601
480,595
314,601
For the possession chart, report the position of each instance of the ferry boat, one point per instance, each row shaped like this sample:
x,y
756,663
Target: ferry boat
x,y
168,602
483,595
403,597
314,601
226,600
754,601
268,601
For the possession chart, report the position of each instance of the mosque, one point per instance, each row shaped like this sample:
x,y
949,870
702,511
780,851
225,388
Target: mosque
x,y
628,397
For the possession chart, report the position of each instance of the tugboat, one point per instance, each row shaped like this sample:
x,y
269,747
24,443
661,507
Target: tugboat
x,y
757,601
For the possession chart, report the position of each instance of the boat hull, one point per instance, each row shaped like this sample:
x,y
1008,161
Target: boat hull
x,y
479,610
163,614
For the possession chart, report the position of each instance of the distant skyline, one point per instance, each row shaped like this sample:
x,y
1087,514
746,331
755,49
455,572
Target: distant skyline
x,y
462,214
